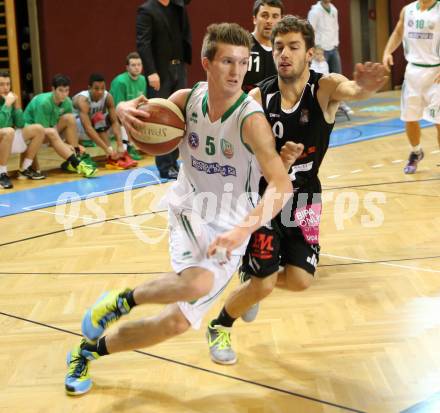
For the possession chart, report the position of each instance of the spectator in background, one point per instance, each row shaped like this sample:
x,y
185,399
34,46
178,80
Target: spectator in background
x,y
12,137
261,65
127,86
323,16
54,112
95,109
163,40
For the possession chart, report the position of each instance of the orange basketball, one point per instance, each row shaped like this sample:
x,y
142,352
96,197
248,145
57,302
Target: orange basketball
x,y
163,130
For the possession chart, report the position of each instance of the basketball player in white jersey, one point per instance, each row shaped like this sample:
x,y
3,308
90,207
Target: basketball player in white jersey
x,y
419,30
227,142
95,114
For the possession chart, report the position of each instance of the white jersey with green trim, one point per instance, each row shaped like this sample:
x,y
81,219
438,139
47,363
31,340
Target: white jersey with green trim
x,y
95,106
219,175
421,37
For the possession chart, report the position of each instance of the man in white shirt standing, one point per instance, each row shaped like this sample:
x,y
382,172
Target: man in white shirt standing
x,y
323,16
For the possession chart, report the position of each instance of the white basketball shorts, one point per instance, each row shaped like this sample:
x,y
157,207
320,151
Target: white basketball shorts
x,y
189,241
420,97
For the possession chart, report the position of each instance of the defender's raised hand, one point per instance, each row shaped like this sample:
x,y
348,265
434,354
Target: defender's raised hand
x,y
370,76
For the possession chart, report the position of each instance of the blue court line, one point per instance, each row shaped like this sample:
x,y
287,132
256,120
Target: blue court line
x,y
431,405
353,134
51,195
47,196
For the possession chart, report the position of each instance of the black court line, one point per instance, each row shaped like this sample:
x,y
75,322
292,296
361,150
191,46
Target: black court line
x,y
379,261
80,226
180,363
380,183
164,272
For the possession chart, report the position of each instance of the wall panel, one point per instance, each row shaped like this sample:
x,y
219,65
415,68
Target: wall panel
x,y
84,36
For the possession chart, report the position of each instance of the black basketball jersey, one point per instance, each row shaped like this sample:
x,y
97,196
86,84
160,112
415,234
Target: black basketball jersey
x,y
304,123
261,66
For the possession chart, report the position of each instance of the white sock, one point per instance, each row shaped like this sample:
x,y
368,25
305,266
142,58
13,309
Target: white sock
x,y
26,163
125,143
3,169
416,148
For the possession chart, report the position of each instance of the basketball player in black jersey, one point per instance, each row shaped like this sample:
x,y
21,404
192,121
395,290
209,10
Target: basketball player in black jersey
x,y
300,105
261,65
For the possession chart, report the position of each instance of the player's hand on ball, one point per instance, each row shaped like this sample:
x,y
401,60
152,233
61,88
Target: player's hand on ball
x,y
290,152
130,116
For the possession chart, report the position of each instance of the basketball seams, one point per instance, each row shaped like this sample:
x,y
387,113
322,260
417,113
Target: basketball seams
x,y
168,104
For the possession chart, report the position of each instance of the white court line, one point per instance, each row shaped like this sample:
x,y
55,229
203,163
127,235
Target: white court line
x,y
397,161
5,205
406,267
356,171
436,151
98,221
95,195
379,165
333,176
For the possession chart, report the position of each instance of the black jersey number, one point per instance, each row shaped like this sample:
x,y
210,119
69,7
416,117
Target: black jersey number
x,y
254,60
278,129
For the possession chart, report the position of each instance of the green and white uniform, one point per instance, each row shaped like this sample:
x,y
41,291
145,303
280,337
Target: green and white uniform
x,y
124,88
96,108
216,188
13,118
43,110
421,43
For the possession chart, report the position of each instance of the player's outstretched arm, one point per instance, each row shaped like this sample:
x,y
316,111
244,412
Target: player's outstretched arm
x,y
368,78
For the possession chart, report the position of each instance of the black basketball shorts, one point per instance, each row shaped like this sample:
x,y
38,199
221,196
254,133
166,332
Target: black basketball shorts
x,y
268,248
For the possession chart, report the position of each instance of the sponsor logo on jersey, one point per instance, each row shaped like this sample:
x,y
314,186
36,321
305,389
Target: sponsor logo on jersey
x,y
431,25
227,148
193,117
410,23
213,167
274,115
304,167
193,140
304,117
420,36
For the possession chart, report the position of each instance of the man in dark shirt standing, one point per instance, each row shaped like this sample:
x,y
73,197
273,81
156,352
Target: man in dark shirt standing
x,y
163,40
261,65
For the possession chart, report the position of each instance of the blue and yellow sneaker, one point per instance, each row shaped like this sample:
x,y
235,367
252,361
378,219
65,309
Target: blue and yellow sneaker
x,y
78,380
109,308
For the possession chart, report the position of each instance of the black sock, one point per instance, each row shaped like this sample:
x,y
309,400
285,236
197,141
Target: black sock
x,y
73,160
224,319
101,347
129,297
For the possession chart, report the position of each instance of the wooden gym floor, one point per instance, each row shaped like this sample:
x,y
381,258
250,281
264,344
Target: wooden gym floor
x,y
364,338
